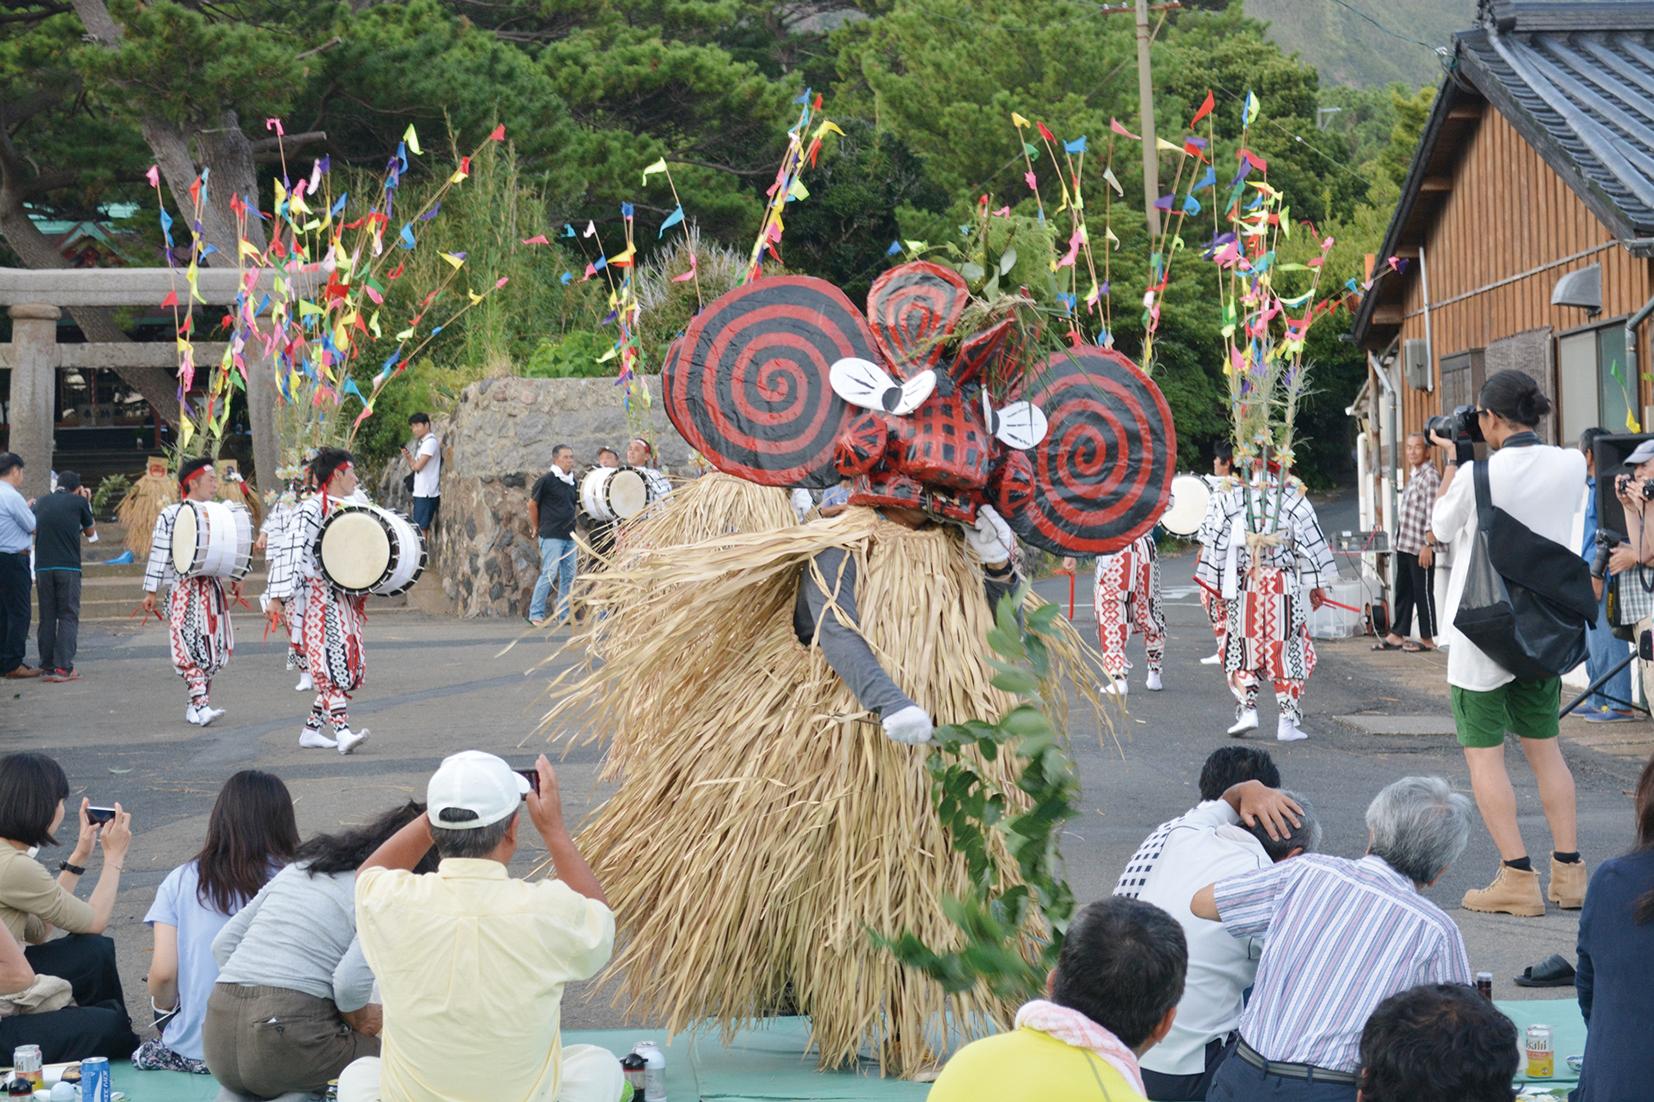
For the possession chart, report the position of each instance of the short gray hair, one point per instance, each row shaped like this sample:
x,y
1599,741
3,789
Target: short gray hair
x,y
1305,836
477,842
1419,826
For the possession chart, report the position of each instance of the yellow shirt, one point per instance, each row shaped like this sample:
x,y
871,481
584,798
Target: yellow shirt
x,y
31,902
471,965
1026,1065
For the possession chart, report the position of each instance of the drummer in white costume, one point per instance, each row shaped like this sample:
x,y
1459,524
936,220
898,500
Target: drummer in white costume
x,y
198,610
1217,610
333,645
272,536
640,455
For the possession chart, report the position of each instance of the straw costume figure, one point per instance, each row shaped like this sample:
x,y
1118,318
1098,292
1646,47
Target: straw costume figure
x,y
783,783
142,504
199,631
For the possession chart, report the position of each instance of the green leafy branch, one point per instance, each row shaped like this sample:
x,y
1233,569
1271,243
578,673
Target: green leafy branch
x,y
981,825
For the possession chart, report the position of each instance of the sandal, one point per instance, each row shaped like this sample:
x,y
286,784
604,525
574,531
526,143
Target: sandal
x,y
1553,971
1416,648
1385,644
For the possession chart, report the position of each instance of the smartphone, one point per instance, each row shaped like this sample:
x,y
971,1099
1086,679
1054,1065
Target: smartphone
x,y
533,776
97,816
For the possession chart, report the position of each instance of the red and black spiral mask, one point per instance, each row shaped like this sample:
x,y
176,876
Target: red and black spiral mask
x,y
783,382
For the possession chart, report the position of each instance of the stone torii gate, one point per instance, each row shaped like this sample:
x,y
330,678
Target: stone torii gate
x,y
35,299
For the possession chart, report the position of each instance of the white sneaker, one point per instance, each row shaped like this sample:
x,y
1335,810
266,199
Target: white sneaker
x,y
910,726
1212,659
306,683
1246,720
1152,682
1287,730
1114,687
349,740
192,716
205,715
315,740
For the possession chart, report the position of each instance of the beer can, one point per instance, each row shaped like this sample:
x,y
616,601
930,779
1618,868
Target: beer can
x,y
1484,984
26,1064
1540,1052
654,1071
95,1084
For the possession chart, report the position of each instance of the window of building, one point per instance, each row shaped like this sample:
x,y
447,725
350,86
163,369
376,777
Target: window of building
x,y
1596,384
1461,379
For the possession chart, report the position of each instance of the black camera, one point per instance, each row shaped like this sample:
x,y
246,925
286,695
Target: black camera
x,y
1625,480
1606,540
1461,424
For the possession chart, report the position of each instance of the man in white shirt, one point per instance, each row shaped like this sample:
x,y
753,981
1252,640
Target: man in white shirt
x,y
471,963
1539,486
1209,843
425,460
640,455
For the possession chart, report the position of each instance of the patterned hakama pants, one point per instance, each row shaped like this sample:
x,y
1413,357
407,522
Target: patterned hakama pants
x,y
1268,638
198,621
1127,597
333,652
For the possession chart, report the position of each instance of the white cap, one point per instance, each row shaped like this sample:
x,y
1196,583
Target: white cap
x,y
477,782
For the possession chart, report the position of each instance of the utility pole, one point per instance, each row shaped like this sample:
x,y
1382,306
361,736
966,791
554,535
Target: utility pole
x,y
1145,98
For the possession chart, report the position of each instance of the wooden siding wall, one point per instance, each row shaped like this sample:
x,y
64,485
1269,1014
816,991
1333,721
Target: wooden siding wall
x,y
1508,212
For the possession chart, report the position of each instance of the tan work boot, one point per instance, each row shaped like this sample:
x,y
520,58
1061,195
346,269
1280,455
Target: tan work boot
x,y
1567,885
1513,892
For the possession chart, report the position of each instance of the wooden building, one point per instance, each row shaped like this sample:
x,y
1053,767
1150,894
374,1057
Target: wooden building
x,y
1524,232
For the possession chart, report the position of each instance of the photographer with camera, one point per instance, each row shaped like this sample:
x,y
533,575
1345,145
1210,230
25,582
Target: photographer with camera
x,y
1605,651
1632,558
1538,486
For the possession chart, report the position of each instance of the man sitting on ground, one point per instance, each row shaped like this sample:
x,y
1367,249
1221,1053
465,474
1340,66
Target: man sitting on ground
x,y
1206,845
1437,1043
1339,937
1225,767
471,963
1113,995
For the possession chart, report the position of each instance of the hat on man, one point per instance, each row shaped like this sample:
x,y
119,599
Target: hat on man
x,y
475,782
1642,454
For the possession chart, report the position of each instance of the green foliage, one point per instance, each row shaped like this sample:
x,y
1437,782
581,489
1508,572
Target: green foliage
x,y
1343,42
111,489
574,355
992,920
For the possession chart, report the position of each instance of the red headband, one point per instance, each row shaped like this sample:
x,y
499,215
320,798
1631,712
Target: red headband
x,y
193,475
341,467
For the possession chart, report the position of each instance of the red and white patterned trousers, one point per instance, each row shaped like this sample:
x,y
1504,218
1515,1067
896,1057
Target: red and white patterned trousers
x,y
1127,597
294,611
198,623
1267,637
333,652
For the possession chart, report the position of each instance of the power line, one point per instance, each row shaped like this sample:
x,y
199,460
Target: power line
x,y
1358,13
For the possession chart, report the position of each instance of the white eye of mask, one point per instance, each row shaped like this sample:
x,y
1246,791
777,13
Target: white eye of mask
x,y
1019,425
867,385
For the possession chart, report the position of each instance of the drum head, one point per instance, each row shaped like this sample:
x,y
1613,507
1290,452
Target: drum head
x,y
185,537
627,493
1189,497
354,550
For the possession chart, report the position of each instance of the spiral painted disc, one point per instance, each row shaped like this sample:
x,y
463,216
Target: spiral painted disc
x,y
747,383
1103,474
913,309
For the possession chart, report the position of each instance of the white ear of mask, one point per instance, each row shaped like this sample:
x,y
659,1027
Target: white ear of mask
x,y
990,537
911,726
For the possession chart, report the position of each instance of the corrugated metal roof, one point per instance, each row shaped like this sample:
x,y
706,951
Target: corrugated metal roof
x,y
1576,80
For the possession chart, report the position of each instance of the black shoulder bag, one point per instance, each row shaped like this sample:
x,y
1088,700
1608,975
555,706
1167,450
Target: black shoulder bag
x,y
1526,599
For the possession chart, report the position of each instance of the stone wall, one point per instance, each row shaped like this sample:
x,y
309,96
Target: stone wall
x,y
495,444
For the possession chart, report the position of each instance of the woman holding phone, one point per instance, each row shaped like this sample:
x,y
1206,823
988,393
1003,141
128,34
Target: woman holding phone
x,y
33,905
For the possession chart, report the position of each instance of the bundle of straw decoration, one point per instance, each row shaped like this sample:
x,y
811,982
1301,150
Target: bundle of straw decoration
x,y
763,823
142,506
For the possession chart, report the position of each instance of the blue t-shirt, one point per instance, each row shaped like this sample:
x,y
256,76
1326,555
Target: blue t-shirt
x,y
178,904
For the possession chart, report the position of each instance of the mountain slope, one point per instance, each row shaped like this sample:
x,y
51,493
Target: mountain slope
x,y
1348,49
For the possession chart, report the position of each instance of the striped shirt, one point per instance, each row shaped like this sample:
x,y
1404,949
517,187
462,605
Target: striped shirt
x,y
159,574
1340,937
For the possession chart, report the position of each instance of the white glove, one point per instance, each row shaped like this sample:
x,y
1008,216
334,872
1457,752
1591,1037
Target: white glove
x,y
990,537
911,726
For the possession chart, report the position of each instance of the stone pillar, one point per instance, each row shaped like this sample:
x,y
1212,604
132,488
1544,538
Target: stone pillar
x,y
34,391
261,416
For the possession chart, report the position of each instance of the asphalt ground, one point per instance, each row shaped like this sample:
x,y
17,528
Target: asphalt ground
x,y
438,685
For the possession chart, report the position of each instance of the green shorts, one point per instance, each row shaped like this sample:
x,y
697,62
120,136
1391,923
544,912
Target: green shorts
x,y
1526,708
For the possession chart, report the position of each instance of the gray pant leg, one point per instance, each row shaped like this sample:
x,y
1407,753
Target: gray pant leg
x,y
68,618
45,584
817,617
